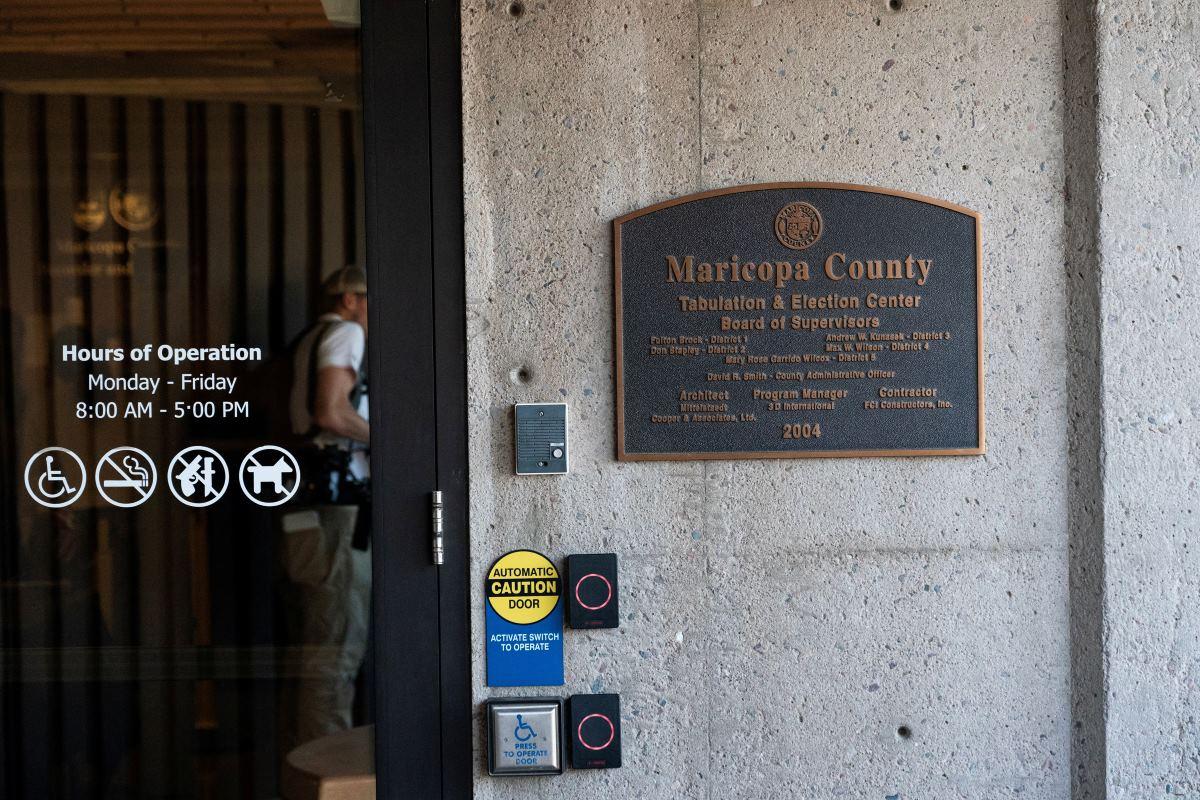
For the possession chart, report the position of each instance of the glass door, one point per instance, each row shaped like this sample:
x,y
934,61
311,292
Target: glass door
x,y
185,488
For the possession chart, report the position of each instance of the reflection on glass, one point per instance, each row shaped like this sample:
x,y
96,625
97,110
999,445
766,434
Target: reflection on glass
x,y
184,483
325,541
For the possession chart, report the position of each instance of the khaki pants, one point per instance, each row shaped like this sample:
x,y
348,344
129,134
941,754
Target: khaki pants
x,y
327,602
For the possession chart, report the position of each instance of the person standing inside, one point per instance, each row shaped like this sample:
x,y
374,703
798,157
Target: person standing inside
x,y
325,546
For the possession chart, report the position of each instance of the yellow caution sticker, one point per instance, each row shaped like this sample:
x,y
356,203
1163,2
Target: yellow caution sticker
x,y
523,587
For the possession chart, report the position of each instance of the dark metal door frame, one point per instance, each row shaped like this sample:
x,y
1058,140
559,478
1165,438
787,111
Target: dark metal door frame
x,y
414,214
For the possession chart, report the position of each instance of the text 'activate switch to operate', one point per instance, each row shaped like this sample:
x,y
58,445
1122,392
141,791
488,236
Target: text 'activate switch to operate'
x,y
592,600
595,730
525,736
541,431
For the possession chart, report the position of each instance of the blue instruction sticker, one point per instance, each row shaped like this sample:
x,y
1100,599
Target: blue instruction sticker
x,y
524,614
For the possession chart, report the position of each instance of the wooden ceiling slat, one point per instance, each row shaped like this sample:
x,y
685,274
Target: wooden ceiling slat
x,y
60,48
339,61
102,26
291,91
155,10
257,83
161,4
139,42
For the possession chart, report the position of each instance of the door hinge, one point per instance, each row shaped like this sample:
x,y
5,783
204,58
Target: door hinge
x,y
439,523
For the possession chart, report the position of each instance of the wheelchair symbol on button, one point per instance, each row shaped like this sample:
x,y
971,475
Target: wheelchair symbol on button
x,y
523,732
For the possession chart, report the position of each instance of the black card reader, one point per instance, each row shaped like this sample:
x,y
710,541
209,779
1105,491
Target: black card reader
x,y
594,728
592,591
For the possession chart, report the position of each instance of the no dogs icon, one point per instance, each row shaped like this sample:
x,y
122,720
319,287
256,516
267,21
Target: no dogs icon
x,y
269,476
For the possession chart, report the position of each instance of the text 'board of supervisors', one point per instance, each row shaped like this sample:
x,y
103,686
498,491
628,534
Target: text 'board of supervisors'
x,y
798,320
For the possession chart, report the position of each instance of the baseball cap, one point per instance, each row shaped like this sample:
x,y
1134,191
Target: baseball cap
x,y
347,279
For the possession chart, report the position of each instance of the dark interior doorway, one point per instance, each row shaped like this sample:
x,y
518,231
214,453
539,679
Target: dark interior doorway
x,y
191,174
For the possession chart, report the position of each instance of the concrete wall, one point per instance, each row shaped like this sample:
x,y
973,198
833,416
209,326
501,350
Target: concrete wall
x,y
782,620
1149,193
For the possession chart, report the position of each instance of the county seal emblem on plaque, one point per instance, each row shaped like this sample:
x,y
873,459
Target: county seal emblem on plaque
x,y
798,225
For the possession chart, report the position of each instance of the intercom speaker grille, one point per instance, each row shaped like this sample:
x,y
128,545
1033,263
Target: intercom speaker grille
x,y
534,437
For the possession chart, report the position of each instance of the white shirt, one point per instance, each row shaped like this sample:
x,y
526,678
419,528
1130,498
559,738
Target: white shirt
x,y
342,345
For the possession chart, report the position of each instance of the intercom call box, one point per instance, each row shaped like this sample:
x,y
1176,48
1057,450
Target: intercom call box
x,y
591,589
541,438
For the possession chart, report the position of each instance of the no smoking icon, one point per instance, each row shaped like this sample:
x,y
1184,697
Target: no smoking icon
x,y
126,477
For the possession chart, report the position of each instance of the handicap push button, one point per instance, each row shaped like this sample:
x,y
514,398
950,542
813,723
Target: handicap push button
x,y
525,736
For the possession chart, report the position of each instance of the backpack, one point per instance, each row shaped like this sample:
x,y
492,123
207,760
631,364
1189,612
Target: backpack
x,y
269,391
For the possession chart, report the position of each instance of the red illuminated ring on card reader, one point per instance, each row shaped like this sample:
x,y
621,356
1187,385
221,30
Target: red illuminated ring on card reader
x,y
607,585
612,732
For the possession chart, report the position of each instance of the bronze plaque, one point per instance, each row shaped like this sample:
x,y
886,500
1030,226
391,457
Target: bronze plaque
x,y
792,320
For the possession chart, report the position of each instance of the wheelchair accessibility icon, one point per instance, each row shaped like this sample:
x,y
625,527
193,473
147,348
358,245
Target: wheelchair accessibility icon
x,y
55,477
523,733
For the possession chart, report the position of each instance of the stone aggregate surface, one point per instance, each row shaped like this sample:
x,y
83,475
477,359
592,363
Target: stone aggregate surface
x,y
888,628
